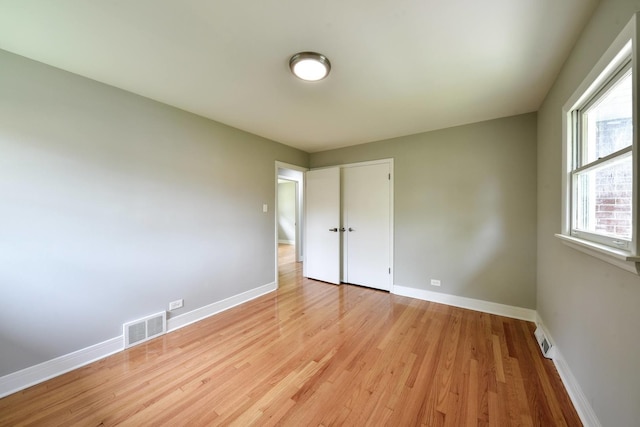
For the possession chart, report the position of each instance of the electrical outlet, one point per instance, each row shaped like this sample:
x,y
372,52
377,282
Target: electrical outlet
x,y
435,282
173,305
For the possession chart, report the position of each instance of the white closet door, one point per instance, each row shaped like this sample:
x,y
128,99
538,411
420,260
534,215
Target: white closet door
x,y
367,217
322,257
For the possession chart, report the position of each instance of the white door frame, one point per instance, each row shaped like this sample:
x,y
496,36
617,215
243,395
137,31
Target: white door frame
x,y
388,161
299,212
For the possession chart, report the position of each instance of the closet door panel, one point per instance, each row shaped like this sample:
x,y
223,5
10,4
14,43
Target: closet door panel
x,y
366,218
322,257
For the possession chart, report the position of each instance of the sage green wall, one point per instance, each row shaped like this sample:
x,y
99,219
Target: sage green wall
x,y
112,205
464,207
590,307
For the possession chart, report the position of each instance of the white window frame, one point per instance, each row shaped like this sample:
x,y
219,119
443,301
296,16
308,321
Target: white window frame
x,y
623,49
579,162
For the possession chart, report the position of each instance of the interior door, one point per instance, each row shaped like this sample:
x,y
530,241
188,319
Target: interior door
x,y
367,219
322,256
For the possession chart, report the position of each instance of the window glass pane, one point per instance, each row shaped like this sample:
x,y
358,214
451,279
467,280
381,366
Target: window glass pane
x,y
602,197
608,125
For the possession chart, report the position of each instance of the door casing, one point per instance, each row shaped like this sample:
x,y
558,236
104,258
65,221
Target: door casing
x,y
389,162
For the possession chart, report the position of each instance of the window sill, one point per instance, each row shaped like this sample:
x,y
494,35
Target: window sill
x,y
613,256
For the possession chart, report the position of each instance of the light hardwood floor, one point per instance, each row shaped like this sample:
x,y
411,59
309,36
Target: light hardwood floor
x,y
315,354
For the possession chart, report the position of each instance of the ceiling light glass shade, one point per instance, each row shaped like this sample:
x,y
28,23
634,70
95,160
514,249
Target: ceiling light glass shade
x,y
310,66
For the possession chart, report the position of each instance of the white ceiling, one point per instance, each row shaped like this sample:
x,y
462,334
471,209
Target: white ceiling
x,y
399,67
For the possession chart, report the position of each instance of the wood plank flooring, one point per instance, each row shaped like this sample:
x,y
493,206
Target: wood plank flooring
x,y
315,354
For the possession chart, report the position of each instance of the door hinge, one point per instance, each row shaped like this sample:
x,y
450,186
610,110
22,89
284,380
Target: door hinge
x,y
389,270
389,177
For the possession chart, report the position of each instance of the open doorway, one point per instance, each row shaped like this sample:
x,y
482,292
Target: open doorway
x,y
287,211
289,215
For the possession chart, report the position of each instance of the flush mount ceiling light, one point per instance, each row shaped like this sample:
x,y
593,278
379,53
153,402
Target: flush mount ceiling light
x,y
310,66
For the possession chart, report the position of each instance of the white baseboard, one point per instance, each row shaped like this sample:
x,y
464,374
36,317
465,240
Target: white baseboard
x,y
287,242
30,376
33,375
468,303
577,396
579,400
217,307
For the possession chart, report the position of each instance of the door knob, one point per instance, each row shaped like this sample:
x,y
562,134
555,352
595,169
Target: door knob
x,y
342,229
351,229
335,230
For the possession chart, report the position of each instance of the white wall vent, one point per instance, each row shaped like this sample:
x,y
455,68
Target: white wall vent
x,y
543,343
144,329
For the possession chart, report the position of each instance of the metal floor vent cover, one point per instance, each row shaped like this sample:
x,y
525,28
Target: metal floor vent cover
x,y
543,342
141,330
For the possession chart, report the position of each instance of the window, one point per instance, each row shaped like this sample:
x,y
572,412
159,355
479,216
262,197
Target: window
x,y
600,164
602,173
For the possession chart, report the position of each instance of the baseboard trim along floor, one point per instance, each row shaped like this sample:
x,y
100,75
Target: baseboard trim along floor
x,y
468,303
577,396
30,376
41,372
579,400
